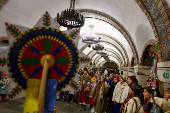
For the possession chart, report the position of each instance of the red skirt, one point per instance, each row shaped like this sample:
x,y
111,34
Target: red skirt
x,y
84,98
76,97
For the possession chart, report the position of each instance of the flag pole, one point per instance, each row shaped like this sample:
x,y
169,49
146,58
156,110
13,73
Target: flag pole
x,y
41,99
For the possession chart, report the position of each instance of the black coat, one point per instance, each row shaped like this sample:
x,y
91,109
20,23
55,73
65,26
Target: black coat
x,y
110,94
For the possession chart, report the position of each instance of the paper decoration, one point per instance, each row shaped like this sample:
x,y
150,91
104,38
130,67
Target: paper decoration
x,y
74,85
155,49
84,60
40,40
30,48
32,93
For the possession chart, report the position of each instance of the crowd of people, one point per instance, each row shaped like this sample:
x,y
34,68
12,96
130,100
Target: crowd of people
x,y
118,94
111,93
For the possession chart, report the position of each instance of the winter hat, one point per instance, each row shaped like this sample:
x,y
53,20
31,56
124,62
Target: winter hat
x,y
123,77
86,70
133,78
4,74
116,77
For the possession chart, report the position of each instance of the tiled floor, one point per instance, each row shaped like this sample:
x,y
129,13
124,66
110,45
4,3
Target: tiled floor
x,y
16,106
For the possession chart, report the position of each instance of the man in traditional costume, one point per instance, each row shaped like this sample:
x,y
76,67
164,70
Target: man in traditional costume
x,y
99,95
85,82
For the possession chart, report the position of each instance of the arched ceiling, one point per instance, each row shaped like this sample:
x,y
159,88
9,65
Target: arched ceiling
x,y
122,25
93,55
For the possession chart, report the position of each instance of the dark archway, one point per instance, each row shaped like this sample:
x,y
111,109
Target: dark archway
x,y
132,62
110,65
146,58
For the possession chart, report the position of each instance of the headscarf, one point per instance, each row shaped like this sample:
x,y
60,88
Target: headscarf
x,y
116,77
135,89
138,91
134,80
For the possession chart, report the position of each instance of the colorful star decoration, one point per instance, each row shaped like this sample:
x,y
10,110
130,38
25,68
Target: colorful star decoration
x,y
155,49
29,47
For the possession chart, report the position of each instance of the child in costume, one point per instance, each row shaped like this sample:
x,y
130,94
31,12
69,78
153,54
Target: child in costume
x,y
4,87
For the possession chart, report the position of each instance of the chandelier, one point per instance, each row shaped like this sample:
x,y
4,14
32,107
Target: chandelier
x,y
90,38
107,58
104,53
70,18
98,47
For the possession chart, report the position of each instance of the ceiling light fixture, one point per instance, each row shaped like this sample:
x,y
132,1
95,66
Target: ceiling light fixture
x,y
70,18
98,47
90,38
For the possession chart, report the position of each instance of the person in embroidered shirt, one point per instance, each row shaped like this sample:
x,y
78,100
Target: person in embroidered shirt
x,y
130,80
132,103
85,82
167,98
153,104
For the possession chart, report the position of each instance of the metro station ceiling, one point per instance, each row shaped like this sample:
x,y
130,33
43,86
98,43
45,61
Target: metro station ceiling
x,y
123,39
